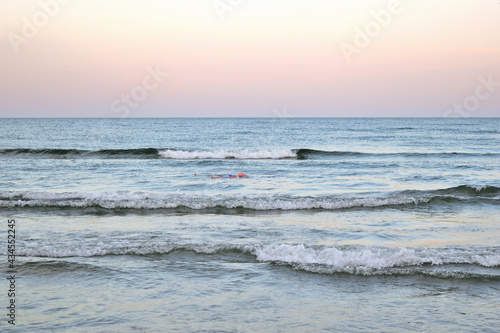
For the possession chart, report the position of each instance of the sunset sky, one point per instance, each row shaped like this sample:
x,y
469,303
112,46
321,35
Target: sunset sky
x,y
246,58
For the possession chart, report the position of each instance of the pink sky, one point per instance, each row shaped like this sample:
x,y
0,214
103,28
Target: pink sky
x,y
248,58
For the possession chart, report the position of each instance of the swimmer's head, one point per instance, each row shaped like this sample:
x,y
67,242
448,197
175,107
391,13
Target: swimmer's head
x,y
241,175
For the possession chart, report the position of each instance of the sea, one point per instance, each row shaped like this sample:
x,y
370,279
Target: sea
x,y
340,225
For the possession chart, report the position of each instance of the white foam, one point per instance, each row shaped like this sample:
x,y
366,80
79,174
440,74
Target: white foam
x,y
103,247
79,249
478,188
222,154
144,200
374,257
322,259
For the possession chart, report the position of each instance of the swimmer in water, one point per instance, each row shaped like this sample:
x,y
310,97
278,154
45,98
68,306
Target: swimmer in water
x,y
239,175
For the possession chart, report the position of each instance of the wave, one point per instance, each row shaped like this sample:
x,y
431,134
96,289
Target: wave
x,y
461,191
227,154
142,153
172,153
376,260
312,153
75,153
324,259
51,267
152,201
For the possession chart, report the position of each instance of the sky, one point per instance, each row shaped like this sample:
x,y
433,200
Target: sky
x,y
249,58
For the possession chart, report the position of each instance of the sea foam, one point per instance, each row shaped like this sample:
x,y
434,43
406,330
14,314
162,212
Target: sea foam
x,y
323,259
144,200
227,154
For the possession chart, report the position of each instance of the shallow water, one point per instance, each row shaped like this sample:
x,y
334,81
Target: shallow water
x,y
354,225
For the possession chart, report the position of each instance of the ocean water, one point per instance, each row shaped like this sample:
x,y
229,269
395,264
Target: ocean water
x,y
341,225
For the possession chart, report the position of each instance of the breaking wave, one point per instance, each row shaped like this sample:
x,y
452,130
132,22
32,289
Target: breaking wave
x,y
172,153
151,201
324,259
227,154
